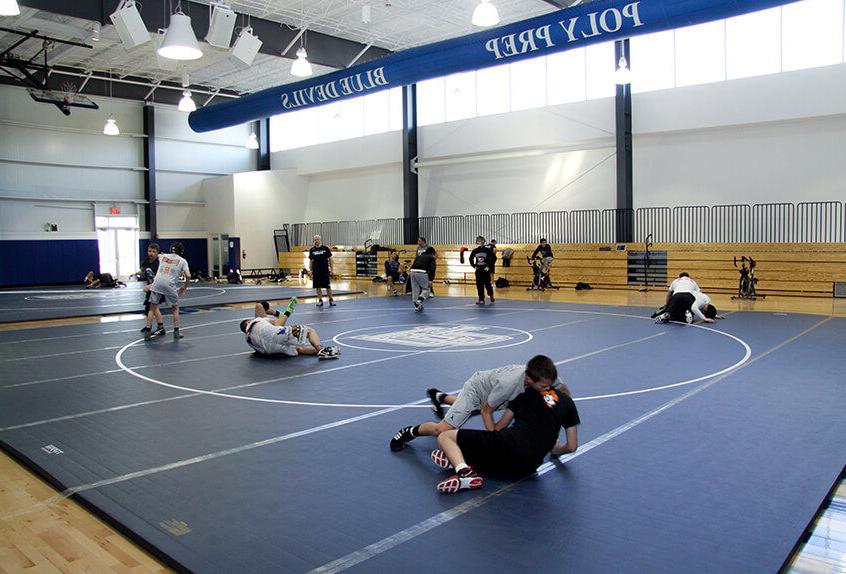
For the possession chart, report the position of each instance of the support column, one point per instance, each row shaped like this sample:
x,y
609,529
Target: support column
x,y
262,128
150,175
410,213
623,105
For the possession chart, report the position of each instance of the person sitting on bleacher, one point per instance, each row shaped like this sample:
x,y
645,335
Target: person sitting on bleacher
x,y
392,271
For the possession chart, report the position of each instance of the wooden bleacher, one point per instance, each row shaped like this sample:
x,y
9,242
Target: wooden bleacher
x,y
796,269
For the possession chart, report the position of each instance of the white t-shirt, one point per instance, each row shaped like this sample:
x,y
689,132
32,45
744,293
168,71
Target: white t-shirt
x,y
684,285
171,268
701,299
269,339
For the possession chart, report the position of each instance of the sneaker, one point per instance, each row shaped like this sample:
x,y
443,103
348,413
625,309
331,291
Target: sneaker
x,y
658,311
492,299
329,353
395,293
439,457
418,306
480,302
662,318
436,404
688,317
332,303
159,332
403,436
319,303
467,479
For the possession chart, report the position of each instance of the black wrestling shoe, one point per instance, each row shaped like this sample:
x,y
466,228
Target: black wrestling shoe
x,y
403,436
176,334
148,334
436,404
145,330
159,332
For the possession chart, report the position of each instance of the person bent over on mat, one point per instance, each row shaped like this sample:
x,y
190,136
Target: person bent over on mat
x,y
484,392
269,334
538,413
686,303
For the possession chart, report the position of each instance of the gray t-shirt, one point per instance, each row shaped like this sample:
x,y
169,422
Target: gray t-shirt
x,y
502,385
171,268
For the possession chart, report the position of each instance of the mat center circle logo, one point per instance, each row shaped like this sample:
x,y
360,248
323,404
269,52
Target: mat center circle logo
x,y
442,338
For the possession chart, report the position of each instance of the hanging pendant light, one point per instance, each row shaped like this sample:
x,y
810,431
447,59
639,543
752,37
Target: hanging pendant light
x,y
111,128
180,43
186,104
301,66
252,141
623,75
9,8
485,14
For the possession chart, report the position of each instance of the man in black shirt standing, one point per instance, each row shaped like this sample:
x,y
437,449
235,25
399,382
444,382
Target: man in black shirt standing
x,y
320,265
421,276
147,272
482,260
538,414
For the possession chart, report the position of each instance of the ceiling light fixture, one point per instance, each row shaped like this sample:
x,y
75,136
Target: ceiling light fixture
x,y
186,104
301,66
180,42
246,48
252,141
111,128
9,8
485,14
623,75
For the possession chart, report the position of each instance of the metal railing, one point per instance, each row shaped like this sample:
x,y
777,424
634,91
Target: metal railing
x,y
811,222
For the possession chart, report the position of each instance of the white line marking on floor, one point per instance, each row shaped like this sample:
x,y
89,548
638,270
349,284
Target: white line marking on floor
x,y
441,518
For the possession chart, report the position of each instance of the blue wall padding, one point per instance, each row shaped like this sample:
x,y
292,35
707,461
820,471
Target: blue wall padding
x,y
196,252
42,262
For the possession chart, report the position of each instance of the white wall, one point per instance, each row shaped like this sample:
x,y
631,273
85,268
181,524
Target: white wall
x,y
778,138
250,206
67,159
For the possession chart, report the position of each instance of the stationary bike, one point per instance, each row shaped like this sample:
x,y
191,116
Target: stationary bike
x,y
748,281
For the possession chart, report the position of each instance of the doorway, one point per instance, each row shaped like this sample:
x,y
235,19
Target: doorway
x,y
117,240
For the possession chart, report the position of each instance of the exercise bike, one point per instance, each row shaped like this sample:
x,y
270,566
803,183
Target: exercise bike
x,y
746,287
540,275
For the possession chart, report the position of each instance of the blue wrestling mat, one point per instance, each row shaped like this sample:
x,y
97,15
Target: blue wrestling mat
x,y
702,448
58,303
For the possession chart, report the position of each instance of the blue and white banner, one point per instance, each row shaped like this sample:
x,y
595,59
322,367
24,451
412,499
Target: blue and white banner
x,y
591,23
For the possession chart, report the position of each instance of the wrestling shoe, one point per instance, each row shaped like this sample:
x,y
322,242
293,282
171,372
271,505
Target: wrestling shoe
x,y
439,457
662,318
159,332
658,311
148,334
466,479
329,353
332,303
436,404
319,303
688,317
176,334
403,436
493,299
418,306
144,330
480,302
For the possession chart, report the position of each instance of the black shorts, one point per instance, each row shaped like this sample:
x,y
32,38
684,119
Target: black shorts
x,y
394,276
492,451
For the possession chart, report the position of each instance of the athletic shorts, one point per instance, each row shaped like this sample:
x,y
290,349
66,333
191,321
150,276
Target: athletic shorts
x,y
490,450
468,403
282,344
157,298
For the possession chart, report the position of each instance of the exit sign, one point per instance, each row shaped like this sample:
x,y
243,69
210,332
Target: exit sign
x,y
115,211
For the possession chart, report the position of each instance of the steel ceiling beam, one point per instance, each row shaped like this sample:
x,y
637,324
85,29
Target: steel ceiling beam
x,y
323,49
